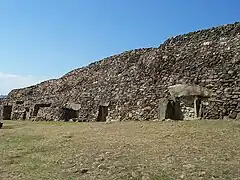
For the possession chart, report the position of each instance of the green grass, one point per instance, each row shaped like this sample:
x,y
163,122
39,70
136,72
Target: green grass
x,y
122,150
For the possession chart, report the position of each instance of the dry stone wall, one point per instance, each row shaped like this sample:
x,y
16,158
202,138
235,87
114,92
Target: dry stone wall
x,y
133,83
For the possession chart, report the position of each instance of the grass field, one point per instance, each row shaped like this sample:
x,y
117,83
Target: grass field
x,y
122,150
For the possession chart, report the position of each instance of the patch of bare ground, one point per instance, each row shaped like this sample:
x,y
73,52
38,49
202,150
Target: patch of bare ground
x,y
122,150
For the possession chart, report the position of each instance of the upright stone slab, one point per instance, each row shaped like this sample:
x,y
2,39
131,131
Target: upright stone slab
x,y
1,112
162,108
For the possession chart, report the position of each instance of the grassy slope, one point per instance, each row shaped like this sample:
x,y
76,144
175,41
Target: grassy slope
x,y
129,150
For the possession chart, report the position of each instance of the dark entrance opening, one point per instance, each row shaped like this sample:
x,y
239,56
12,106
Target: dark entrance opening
x,y
69,114
24,115
102,113
173,110
7,111
170,110
38,106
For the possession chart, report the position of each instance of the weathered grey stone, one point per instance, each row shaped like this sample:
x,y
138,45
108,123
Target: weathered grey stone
x,y
233,115
162,109
238,116
73,106
180,90
235,97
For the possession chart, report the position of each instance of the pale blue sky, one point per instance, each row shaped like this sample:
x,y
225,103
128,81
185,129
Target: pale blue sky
x,y
41,39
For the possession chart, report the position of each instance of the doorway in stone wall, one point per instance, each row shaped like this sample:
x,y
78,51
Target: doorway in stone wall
x,y
173,110
69,114
170,110
102,113
7,111
38,106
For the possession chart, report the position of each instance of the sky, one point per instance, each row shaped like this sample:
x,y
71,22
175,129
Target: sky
x,y
44,39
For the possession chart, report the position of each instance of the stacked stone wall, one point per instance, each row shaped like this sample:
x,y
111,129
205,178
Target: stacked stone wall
x,y
132,83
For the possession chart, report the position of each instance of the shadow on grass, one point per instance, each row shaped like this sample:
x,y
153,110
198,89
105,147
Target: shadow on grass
x,y
8,127
12,126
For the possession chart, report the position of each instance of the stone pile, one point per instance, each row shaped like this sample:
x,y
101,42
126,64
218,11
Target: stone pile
x,y
133,83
